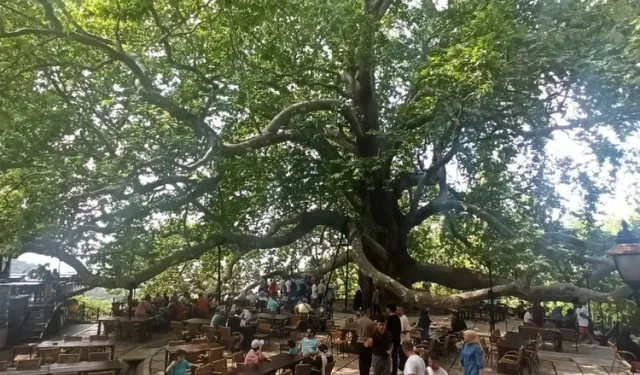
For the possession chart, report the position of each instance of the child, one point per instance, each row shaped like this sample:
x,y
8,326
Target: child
x,y
179,365
292,347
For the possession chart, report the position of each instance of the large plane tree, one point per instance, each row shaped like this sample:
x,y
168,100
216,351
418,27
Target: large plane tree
x,y
138,135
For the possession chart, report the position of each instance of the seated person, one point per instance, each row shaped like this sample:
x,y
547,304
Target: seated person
x,y
272,305
292,347
144,308
321,360
626,344
219,319
303,307
458,324
254,356
180,365
310,344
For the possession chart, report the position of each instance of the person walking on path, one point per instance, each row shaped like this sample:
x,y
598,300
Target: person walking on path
x,y
471,354
582,315
364,330
381,344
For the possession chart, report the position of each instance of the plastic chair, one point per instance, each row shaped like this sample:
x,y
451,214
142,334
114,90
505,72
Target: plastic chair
x,y
216,354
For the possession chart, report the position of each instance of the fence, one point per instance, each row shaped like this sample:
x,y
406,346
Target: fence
x,y
84,312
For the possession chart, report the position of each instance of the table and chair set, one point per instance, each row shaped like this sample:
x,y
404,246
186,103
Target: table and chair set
x,y
72,355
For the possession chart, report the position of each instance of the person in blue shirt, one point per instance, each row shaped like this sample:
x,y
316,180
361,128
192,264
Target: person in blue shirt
x,y
471,354
310,344
292,347
180,365
272,305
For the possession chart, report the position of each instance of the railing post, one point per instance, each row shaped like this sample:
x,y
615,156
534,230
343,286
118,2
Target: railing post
x,y
83,309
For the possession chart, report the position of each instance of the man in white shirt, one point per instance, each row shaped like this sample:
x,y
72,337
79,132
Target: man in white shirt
x,y
583,324
414,365
528,317
404,324
434,365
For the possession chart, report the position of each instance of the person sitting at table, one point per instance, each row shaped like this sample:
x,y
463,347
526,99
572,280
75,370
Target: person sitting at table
x,y
303,307
528,317
254,356
537,314
263,299
272,305
220,318
244,314
556,316
180,365
626,344
320,361
310,344
457,323
158,300
292,347
571,319
144,308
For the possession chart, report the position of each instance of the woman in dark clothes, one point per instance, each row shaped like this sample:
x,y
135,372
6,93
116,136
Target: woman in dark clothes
x,y
424,322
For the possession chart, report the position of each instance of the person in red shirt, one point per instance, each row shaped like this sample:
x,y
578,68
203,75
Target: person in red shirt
x,y
203,305
273,288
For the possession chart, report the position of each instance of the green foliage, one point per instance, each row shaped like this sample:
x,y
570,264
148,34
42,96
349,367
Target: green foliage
x,y
91,158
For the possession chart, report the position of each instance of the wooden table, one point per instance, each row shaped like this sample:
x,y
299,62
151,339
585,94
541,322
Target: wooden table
x,y
84,344
188,348
277,362
203,322
511,341
43,370
143,321
85,367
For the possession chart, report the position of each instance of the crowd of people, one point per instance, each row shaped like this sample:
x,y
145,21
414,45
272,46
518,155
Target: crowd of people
x,y
386,345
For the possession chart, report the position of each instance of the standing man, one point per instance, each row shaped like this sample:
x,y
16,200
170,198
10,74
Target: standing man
x,y
364,330
583,324
375,303
381,345
405,335
394,327
415,364
322,289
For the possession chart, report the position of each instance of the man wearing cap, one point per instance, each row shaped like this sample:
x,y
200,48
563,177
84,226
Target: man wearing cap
x,y
254,356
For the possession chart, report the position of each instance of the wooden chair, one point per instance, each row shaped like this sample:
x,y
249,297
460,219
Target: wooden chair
x,y
294,322
263,332
337,339
331,325
194,329
177,329
512,359
238,357
283,347
109,326
71,338
98,338
303,369
175,343
200,340
210,332
204,370
443,347
49,355
99,356
219,366
570,335
29,364
225,333
216,354
489,354
618,356
69,358
21,352
127,330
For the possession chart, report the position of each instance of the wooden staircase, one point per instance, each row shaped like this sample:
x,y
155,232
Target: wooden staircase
x,y
38,317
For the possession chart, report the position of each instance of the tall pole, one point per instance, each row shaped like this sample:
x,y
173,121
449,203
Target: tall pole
x,y
346,286
219,279
130,302
492,322
587,276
